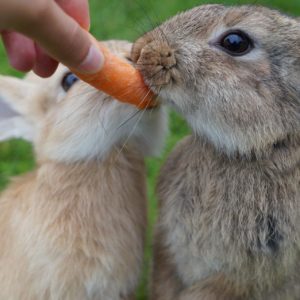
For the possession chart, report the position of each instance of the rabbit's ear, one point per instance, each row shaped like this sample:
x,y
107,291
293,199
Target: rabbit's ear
x,y
15,115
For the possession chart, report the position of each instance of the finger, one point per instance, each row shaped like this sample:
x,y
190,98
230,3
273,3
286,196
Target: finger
x,y
78,10
20,50
62,38
44,65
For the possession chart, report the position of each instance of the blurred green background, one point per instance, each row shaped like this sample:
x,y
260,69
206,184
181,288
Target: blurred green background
x,y
124,19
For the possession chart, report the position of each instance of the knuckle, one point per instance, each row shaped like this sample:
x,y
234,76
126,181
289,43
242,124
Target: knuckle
x,y
78,41
38,13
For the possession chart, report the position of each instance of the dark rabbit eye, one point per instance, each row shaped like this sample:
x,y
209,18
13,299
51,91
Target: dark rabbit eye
x,y
236,43
68,81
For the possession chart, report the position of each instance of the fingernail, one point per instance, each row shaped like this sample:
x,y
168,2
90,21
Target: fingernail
x,y
93,61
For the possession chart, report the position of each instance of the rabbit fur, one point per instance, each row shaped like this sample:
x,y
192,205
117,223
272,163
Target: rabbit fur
x,y
74,228
229,194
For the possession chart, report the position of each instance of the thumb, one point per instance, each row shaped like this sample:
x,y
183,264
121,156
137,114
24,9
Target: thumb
x,y
62,38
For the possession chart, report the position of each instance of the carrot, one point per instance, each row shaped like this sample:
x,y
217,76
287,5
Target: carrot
x,y
120,80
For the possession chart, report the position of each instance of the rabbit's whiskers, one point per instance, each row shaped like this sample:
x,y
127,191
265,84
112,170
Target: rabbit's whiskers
x,y
128,119
134,127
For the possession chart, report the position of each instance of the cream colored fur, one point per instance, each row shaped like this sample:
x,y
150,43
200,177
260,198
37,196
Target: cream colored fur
x,y
74,228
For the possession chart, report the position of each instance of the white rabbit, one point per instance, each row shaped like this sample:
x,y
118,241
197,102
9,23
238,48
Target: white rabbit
x,y
74,228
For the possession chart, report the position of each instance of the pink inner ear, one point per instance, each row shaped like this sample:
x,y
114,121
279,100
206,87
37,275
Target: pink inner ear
x,y
6,111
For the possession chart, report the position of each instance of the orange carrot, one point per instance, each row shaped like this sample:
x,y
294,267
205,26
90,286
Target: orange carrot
x,y
120,80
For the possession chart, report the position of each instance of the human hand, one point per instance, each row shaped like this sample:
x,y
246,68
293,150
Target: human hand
x,y
39,33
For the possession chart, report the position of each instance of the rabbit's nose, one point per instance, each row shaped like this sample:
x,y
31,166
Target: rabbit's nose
x,y
158,54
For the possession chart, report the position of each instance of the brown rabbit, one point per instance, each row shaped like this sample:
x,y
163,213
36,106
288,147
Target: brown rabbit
x,y
73,229
229,223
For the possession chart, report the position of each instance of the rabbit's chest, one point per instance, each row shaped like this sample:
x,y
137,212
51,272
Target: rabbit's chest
x,y
82,246
197,248
229,218
206,241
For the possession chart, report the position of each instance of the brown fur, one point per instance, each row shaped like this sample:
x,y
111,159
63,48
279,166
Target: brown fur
x,y
217,210
229,194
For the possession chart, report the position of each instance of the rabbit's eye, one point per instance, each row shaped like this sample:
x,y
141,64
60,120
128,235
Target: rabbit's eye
x,y
68,81
236,43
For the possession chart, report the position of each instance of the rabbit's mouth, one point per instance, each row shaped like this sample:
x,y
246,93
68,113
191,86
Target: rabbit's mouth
x,y
156,104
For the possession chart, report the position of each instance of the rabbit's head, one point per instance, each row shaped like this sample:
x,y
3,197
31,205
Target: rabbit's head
x,y
233,72
68,120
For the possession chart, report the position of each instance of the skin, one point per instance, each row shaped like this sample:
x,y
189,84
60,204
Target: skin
x,y
32,35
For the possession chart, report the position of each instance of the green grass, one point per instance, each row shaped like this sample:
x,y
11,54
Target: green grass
x,y
126,19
